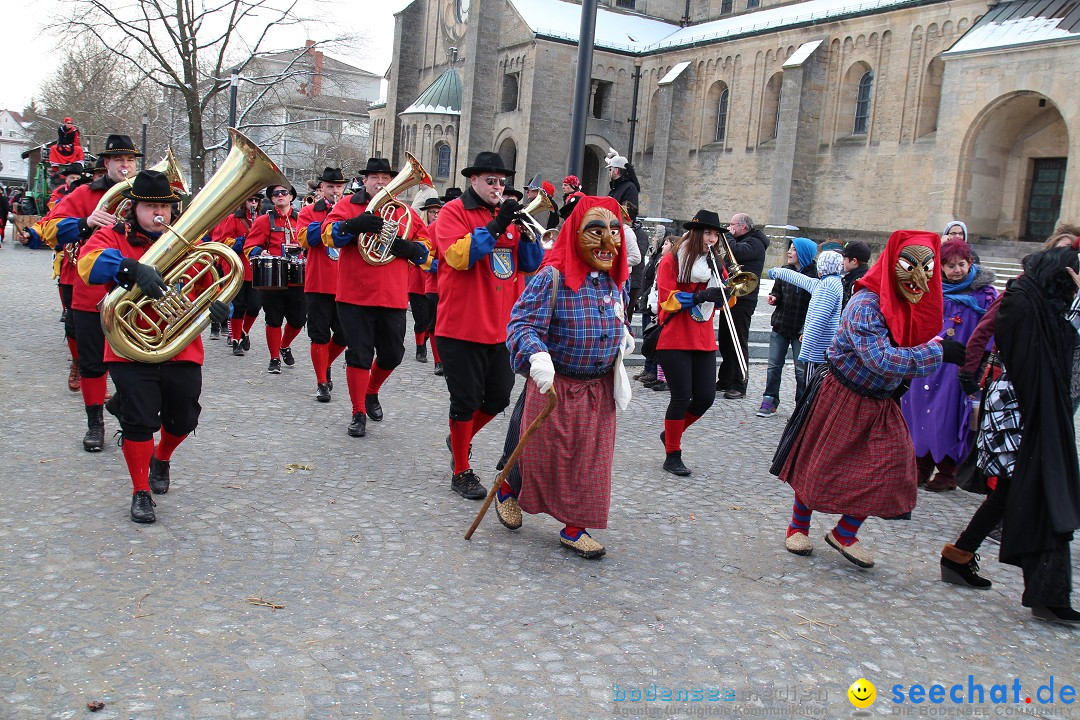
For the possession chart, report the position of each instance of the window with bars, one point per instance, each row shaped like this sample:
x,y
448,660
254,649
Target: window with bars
x,y
721,116
862,103
628,4
443,168
726,6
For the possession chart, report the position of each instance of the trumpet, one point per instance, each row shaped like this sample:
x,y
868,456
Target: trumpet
x,y
525,218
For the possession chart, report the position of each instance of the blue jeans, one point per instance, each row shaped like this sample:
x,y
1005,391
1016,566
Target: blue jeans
x,y
778,350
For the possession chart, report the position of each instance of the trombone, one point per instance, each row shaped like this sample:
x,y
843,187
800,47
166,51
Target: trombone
x,y
723,284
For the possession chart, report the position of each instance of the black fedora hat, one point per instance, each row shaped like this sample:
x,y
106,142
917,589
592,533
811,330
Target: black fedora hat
x,y
432,203
511,191
120,145
75,168
290,188
151,186
451,194
377,165
487,162
705,220
333,175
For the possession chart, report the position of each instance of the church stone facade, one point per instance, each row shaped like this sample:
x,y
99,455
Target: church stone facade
x,y
842,117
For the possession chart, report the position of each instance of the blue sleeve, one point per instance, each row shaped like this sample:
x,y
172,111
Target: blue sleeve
x,y
797,279
35,240
434,266
339,236
106,266
530,255
686,299
314,233
254,251
238,244
483,242
68,231
526,333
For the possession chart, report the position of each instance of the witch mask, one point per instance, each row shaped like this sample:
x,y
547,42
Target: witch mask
x,y
914,269
600,238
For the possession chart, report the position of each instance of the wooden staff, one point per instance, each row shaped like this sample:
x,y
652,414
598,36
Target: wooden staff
x,y
512,461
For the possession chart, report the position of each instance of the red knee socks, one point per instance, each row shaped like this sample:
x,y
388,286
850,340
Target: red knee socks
x,y
378,377
357,379
335,351
167,445
93,391
320,358
673,435
434,349
421,338
461,433
236,328
249,320
137,456
290,335
73,348
690,420
479,420
273,342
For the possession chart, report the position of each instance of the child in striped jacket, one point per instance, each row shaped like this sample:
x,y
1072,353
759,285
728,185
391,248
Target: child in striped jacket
x,y
823,314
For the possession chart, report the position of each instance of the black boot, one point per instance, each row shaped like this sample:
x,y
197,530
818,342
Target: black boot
x,y
142,507
439,369
960,567
358,427
373,407
322,394
674,464
94,439
1064,615
329,380
159,476
421,353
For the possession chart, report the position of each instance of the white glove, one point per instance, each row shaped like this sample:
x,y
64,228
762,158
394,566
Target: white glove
x,y
542,371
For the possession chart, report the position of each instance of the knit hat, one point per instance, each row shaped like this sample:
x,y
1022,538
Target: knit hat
x,y
829,262
949,226
805,251
572,181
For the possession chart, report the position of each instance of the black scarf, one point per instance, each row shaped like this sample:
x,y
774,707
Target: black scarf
x,y
1036,344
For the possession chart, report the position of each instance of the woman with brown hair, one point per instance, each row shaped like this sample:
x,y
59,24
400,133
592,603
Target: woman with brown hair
x,y
688,289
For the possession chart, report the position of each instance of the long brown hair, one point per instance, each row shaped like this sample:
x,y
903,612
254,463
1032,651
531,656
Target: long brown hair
x,y
694,241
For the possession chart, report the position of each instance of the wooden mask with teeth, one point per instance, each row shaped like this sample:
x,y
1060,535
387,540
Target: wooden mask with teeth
x,y
600,238
913,270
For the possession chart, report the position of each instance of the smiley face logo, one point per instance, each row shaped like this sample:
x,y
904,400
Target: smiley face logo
x,y
862,693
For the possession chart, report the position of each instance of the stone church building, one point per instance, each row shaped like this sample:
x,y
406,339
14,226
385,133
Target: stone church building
x,y
842,117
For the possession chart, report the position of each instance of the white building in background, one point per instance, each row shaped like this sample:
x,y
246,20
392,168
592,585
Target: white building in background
x,y
14,141
319,115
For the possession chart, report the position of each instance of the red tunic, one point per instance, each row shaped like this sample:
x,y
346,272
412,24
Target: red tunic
x,y
431,278
228,230
474,303
321,273
110,239
683,332
79,203
360,282
271,237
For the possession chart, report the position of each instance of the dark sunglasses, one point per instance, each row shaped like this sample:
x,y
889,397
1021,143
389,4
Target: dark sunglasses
x,y
279,193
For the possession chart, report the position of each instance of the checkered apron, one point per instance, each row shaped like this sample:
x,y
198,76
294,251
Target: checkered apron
x,y
566,466
853,456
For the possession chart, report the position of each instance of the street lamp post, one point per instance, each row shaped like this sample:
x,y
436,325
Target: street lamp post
x,y
145,122
234,81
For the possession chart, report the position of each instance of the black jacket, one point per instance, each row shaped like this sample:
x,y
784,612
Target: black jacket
x,y
625,192
849,281
749,252
789,313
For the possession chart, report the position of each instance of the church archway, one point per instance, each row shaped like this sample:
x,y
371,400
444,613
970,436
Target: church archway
x,y
1012,168
593,176
508,152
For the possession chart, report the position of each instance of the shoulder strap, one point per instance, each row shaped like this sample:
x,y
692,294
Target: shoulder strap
x,y
554,287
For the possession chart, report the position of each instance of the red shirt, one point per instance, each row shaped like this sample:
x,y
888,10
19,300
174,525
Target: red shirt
x,y
79,203
682,332
360,282
106,239
273,230
321,273
228,230
474,303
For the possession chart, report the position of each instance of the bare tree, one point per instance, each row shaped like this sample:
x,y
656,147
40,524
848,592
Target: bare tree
x,y
185,47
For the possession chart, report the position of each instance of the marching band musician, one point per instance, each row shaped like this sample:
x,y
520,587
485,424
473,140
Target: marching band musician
x,y
320,282
64,267
232,231
483,255
431,285
71,174
153,396
68,226
423,311
371,299
275,233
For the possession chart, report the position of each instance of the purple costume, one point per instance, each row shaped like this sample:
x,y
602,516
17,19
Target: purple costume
x,y
936,409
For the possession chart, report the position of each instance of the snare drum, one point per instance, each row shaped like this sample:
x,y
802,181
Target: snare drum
x,y
269,272
297,271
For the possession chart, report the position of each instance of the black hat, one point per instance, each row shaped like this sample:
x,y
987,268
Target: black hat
x,y
99,164
270,189
537,183
431,203
377,165
74,168
451,193
256,195
333,175
487,162
511,191
120,145
857,251
151,186
705,220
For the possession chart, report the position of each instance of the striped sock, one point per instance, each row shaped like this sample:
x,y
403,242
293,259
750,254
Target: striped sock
x,y
800,519
847,528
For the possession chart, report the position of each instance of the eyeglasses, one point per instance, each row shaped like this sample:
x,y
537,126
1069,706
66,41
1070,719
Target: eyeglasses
x,y
957,233
492,181
279,193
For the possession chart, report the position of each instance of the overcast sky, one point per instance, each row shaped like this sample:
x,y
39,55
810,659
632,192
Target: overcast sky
x,y
30,57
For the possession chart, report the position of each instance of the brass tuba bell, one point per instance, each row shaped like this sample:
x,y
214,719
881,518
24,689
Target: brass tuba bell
x,y
114,203
153,331
397,217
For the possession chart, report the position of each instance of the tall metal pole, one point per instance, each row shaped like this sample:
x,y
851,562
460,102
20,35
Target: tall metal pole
x,y
633,111
582,86
234,80
142,160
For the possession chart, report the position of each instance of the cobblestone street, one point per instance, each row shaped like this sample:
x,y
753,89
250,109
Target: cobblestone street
x,y
387,612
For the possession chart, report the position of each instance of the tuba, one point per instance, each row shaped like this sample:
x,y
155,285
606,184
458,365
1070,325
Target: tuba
x,y
153,331
540,203
397,217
